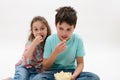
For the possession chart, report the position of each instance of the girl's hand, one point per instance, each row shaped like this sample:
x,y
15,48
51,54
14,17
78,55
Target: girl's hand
x,y
38,39
61,47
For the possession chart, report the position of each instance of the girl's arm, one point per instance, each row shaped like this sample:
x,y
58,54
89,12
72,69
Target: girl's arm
x,y
78,70
30,48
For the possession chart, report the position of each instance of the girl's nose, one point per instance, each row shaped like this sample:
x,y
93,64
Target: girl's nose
x,y
39,31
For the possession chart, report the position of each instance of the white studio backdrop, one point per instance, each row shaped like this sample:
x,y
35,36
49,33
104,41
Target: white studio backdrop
x,y
98,24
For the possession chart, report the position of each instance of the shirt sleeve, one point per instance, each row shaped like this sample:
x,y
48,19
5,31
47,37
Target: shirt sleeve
x,y
47,48
80,48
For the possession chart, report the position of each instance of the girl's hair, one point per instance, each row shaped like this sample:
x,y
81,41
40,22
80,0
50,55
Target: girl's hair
x,y
44,21
66,14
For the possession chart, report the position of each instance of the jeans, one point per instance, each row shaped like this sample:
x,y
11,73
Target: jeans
x,y
49,75
23,73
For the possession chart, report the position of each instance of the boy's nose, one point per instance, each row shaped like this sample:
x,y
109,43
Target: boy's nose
x,y
64,33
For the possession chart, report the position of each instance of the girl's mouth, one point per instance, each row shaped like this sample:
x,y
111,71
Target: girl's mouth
x,y
42,36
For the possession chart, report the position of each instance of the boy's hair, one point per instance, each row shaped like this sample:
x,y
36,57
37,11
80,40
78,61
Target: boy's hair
x,y
44,21
66,14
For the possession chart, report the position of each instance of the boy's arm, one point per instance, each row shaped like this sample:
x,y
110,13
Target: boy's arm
x,y
48,62
78,70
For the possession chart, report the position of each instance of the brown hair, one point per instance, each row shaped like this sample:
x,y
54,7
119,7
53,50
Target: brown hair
x,y
66,14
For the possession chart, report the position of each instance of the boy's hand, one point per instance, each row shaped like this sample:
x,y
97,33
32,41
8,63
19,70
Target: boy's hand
x,y
72,78
61,47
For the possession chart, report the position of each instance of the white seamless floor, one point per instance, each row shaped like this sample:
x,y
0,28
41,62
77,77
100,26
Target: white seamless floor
x,y
103,61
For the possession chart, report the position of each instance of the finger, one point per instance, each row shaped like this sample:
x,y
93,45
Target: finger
x,y
40,37
63,45
41,40
63,42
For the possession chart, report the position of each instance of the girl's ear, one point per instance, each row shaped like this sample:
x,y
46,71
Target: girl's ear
x,y
55,24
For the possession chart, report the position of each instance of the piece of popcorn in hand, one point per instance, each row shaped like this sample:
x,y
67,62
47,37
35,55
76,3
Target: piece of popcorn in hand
x,y
63,76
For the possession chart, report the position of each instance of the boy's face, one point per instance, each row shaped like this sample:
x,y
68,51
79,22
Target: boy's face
x,y
64,30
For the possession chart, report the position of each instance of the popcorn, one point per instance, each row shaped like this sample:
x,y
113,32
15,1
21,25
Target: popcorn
x,y
63,76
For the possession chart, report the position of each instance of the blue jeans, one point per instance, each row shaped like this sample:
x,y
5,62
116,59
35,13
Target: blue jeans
x,y
23,73
49,75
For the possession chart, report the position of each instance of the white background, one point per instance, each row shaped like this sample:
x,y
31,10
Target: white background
x,y
98,24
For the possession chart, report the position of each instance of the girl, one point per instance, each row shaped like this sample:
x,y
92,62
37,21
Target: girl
x,y
31,61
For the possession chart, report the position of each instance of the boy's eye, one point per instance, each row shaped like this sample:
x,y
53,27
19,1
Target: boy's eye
x,y
60,28
68,29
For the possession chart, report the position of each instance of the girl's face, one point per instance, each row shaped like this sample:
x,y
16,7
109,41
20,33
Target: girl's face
x,y
64,31
39,29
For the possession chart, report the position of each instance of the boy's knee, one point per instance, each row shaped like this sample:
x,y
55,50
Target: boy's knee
x,y
93,76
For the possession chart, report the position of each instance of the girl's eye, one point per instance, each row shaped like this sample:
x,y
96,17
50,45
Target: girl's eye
x,y
36,29
42,28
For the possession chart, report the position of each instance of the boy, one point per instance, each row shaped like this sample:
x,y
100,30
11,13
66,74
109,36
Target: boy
x,y
64,49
